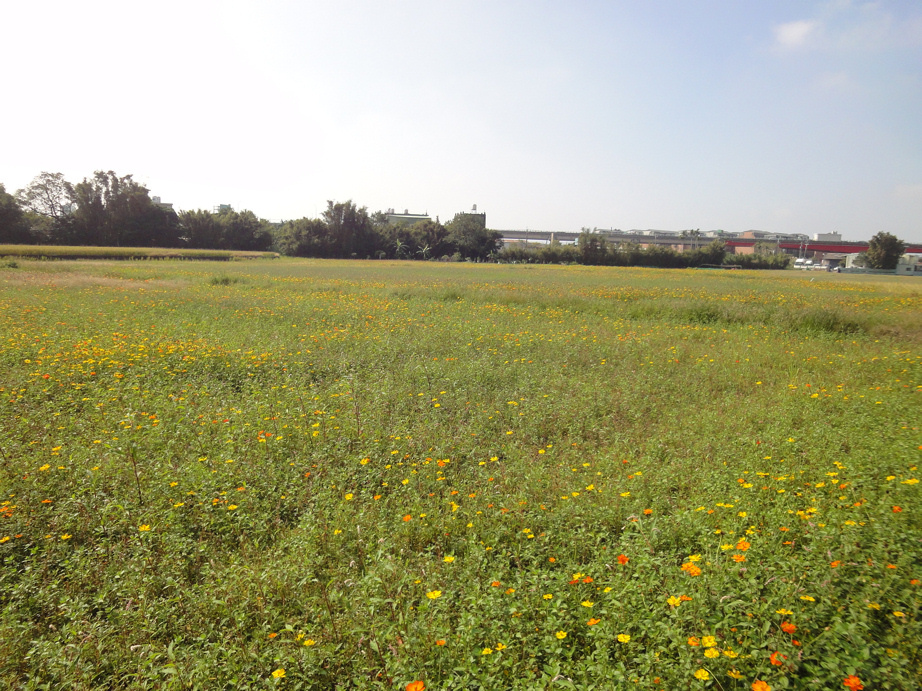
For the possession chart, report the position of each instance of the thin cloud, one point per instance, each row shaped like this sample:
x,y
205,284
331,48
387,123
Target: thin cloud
x,y
796,34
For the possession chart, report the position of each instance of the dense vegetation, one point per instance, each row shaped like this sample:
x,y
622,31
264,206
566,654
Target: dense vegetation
x,y
321,474
108,210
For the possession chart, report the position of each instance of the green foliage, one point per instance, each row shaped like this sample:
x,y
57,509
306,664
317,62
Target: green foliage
x,y
593,249
476,476
13,226
470,238
884,251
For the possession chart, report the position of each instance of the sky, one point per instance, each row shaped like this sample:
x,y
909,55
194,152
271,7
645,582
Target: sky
x,y
800,116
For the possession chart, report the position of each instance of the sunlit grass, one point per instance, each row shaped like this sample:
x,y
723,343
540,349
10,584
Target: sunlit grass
x,y
309,474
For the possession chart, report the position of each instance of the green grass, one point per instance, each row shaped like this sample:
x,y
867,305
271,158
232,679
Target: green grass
x,y
372,473
83,252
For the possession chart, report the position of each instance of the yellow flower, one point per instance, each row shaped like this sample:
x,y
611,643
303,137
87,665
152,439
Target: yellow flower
x,y
279,673
898,614
695,557
873,605
586,603
486,651
708,641
729,652
66,536
561,635
808,598
232,507
623,638
144,528
712,653
674,601
735,674
548,596
448,559
500,646
783,611
434,594
702,674
349,496
625,494
309,642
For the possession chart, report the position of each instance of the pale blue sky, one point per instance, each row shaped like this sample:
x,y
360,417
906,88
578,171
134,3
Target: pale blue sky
x,y
785,116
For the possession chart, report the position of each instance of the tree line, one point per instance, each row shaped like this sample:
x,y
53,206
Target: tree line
x,y
114,211
117,211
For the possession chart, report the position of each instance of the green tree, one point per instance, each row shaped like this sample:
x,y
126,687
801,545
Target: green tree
x,y
200,229
884,251
351,229
592,247
244,231
117,211
470,238
13,226
47,201
304,237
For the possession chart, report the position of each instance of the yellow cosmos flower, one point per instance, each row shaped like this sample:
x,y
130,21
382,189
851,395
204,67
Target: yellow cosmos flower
x,y
434,594
702,674
623,638
561,635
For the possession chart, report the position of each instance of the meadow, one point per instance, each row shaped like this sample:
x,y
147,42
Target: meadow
x,y
386,475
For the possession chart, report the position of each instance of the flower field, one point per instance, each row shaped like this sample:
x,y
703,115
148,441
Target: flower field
x,y
319,474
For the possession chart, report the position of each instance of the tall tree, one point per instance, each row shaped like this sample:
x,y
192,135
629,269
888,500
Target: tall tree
x,y
304,237
13,226
242,230
884,251
200,229
470,238
48,204
113,210
351,229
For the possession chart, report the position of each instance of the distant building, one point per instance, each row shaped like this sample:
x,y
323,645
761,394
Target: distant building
x,y
909,264
223,208
163,205
827,237
406,218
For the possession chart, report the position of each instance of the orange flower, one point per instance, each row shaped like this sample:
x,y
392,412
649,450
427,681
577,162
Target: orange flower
x,y
441,641
853,682
742,545
495,584
759,685
647,512
693,640
622,559
593,622
684,598
788,627
774,658
738,558
588,579
691,569
834,564
406,518
897,509
416,686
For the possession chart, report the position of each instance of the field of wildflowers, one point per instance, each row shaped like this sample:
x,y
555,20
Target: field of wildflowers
x,y
319,474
